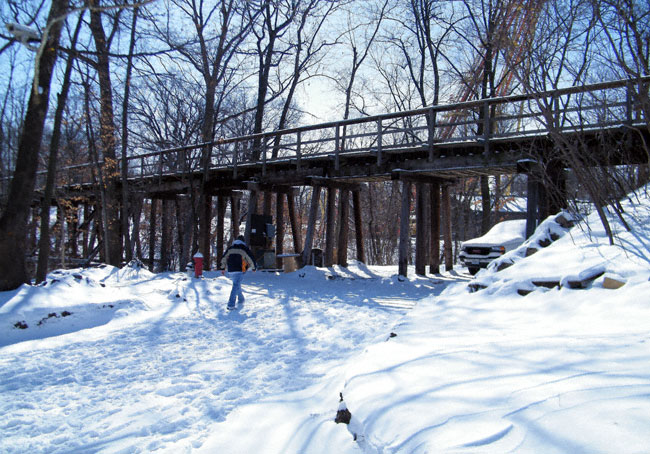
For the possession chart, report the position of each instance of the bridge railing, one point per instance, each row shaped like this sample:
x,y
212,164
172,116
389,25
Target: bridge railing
x,y
436,128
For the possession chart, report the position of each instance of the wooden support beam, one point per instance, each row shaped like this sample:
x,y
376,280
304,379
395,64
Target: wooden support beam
x,y
267,202
85,230
311,225
136,213
279,229
358,226
418,177
152,234
330,227
252,209
295,226
221,215
434,255
344,227
532,205
270,187
557,196
420,230
235,202
446,214
332,183
166,238
404,232
205,232
73,231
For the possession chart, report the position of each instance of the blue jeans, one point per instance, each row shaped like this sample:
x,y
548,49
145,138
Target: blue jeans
x,y
236,292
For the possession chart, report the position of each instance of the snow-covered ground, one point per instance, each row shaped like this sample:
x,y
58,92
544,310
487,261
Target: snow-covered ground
x,y
107,360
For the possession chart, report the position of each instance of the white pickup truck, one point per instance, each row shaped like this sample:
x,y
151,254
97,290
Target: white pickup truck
x,y
503,237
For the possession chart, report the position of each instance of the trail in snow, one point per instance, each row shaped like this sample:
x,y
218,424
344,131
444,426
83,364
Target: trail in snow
x,y
169,361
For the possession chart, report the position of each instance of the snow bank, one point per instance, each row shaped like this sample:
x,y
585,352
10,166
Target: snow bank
x,y
558,370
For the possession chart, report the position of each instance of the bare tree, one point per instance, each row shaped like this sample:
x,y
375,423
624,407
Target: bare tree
x,y
13,223
360,35
44,239
625,25
125,139
108,141
212,51
308,49
275,20
563,53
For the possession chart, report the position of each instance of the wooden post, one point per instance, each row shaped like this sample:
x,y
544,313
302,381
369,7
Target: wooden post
x,y
344,226
420,231
221,214
404,229
95,233
531,205
136,213
235,200
358,226
435,229
293,218
252,209
446,213
60,239
556,194
279,228
330,230
267,203
73,232
311,225
85,233
152,234
166,237
206,223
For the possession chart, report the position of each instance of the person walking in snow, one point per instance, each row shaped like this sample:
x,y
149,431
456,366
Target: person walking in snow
x,y
236,260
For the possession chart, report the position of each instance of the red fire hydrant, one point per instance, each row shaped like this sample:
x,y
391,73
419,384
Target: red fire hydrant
x,y
198,264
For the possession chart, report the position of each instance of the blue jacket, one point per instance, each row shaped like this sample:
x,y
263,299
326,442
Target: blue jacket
x,y
236,256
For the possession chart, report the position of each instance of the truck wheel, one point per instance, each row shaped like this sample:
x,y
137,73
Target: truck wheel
x,y
473,269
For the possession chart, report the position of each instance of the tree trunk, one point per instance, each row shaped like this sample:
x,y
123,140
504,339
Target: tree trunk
x,y
13,223
421,245
125,134
446,214
46,202
152,234
358,226
311,225
166,234
330,231
435,228
107,128
295,224
485,204
405,229
344,226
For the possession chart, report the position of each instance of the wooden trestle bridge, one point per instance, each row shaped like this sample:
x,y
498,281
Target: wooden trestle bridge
x,y
429,147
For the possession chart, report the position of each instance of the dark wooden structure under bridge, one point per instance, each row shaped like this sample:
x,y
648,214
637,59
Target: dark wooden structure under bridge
x,y
426,149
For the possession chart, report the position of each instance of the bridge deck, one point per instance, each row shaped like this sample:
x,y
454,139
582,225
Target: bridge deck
x,y
447,141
